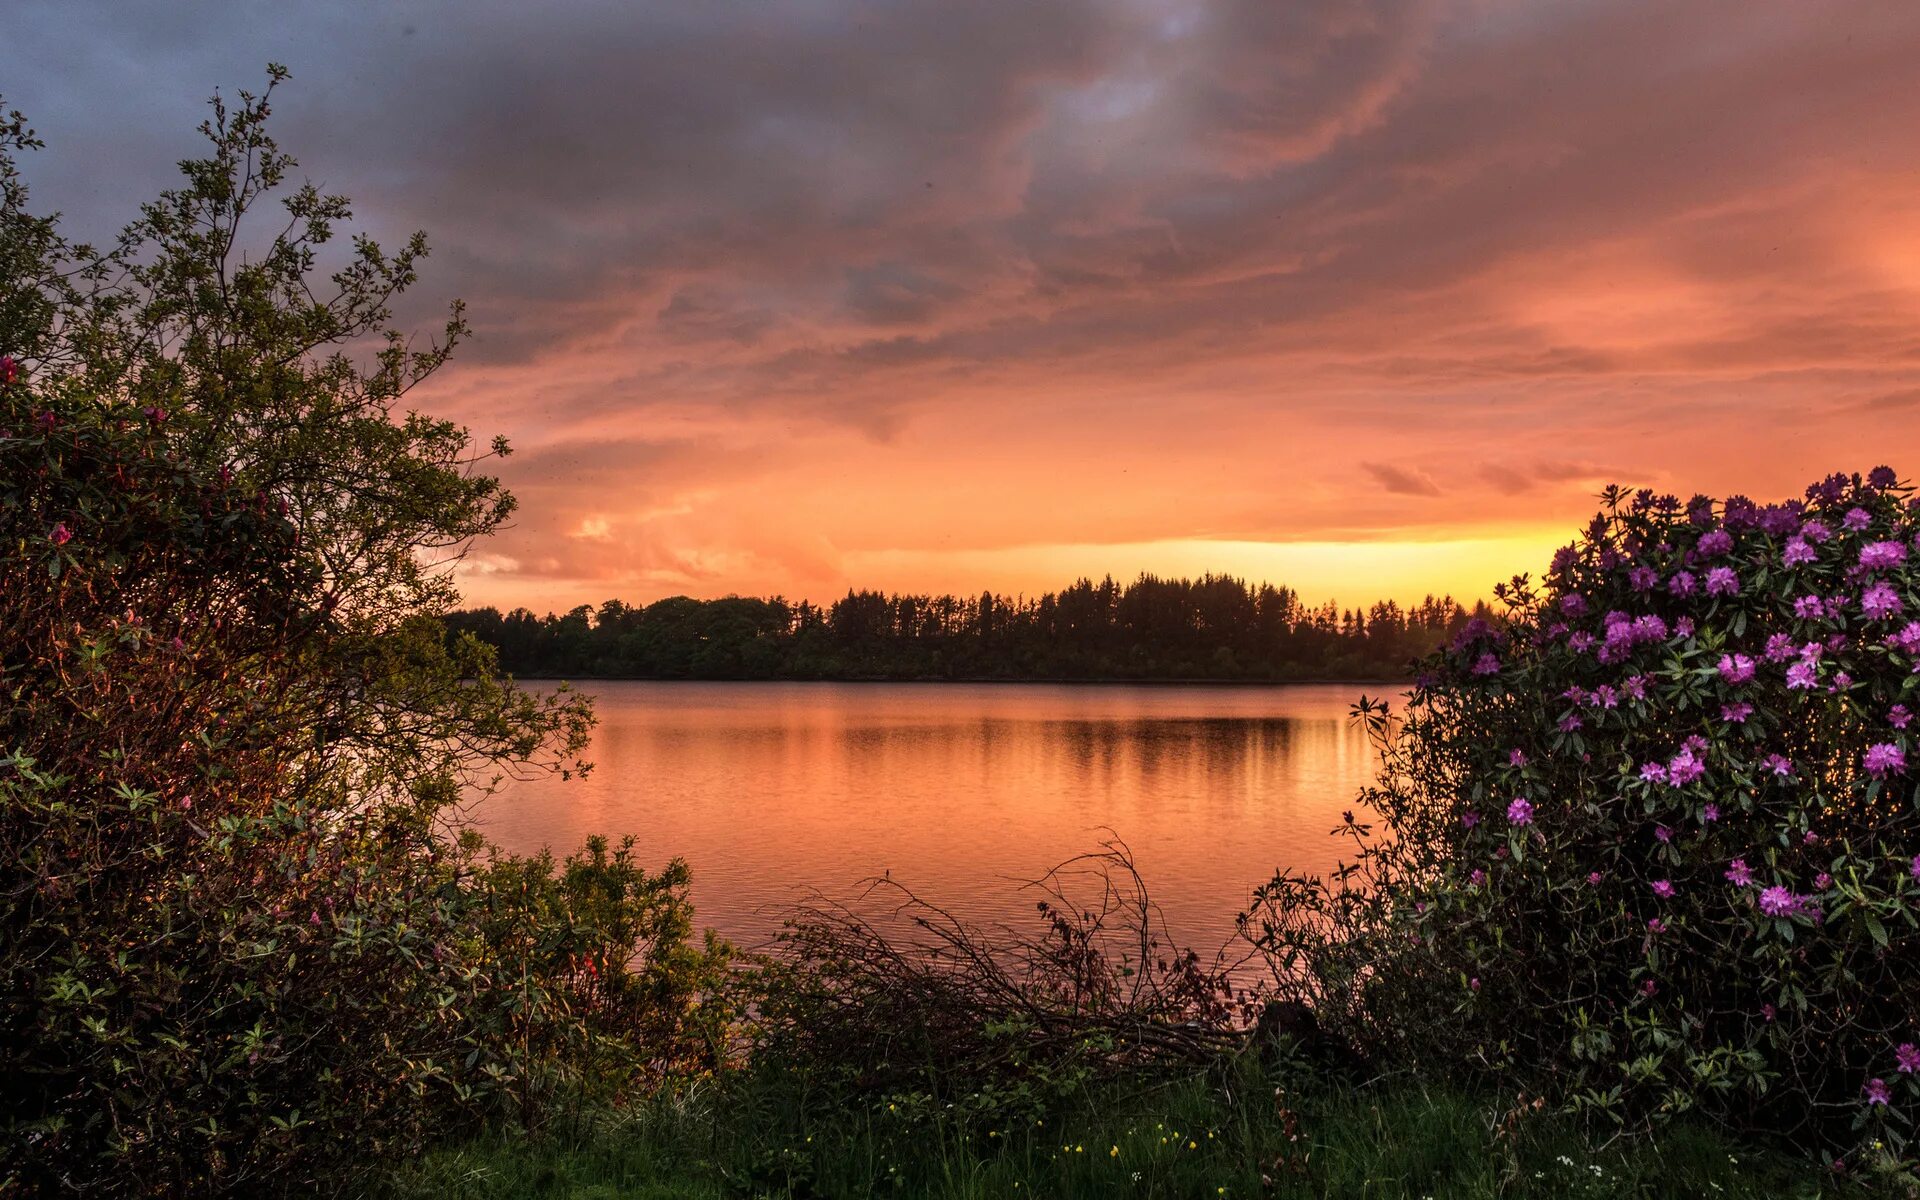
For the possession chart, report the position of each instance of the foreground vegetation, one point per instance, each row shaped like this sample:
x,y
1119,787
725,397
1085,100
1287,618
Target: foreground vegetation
x,y
1239,1131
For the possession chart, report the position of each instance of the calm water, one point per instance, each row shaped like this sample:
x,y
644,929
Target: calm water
x,y
959,790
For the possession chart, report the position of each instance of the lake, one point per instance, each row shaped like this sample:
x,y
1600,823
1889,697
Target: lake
x,y
960,791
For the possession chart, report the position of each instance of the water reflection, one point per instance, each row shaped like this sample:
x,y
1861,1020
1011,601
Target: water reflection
x,y
958,789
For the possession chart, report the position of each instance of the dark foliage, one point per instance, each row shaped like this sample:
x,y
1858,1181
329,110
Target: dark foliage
x,y
1213,628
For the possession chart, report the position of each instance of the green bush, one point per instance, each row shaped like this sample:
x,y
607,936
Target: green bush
x,y
240,952
1650,844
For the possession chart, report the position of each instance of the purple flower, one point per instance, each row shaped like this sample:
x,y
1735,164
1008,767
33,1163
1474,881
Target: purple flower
x,y
1738,874
1822,882
1809,608
1516,757
1799,553
1777,901
1735,714
1573,604
1802,675
1569,723
1580,642
1898,716
1721,581
1856,519
1663,833
1635,687
1779,764
1642,579
61,535
1653,772
1766,1013
1685,767
1656,925
1710,814
1520,812
1882,478
1877,1092
1884,759
1487,664
1681,584
1663,888
1478,877
1908,639
1594,877
1736,668
1684,627
1606,697
1880,602
1649,628
1469,818
1908,1056
1714,543
1815,531
1876,556
1649,988
1914,870
1779,648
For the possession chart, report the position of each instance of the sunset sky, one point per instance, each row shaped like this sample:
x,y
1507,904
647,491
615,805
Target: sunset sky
x,y
1369,298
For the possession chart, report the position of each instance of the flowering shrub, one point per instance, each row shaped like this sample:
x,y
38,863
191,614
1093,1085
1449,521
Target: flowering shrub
x,y
1653,842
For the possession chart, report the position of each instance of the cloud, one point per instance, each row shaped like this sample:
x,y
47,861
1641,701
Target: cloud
x,y
769,289
1401,481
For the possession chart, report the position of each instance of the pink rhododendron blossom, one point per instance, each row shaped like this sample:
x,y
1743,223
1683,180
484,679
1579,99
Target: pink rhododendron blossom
x,y
1685,767
1799,553
1469,818
1710,814
1594,877
1721,581
1663,888
1880,602
1738,873
1856,520
1486,664
1520,812
1877,1092
1681,584
1735,714
1735,668
1877,556
1908,1056
61,535
1884,759
1777,901
1714,543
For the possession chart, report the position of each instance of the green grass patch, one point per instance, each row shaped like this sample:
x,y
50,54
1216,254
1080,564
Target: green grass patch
x,y
1205,1136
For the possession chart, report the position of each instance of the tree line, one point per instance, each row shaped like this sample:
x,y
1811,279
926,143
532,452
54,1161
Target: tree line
x,y
1213,628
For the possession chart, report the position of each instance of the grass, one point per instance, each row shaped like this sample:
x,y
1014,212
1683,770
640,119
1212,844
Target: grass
x,y
1196,1137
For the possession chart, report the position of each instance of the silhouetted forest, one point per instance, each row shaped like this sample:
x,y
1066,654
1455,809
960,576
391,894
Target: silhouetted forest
x,y
1215,628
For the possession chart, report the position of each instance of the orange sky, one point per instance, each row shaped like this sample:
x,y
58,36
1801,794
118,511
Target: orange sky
x,y
1365,296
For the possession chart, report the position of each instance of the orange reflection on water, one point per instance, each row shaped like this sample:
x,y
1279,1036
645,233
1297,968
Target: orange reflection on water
x,y
958,790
